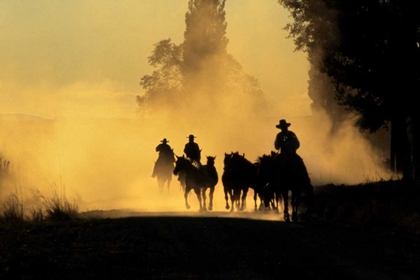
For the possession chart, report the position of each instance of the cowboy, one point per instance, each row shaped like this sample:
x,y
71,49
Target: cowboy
x,y
163,148
286,141
165,153
192,150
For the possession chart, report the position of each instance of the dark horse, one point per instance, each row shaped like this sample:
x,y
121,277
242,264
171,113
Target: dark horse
x,y
164,167
198,178
238,176
283,174
270,196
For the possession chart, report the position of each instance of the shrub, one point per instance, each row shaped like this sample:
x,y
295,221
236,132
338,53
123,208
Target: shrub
x,y
12,210
58,208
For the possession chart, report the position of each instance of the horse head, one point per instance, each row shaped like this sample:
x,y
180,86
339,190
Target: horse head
x,y
181,163
210,160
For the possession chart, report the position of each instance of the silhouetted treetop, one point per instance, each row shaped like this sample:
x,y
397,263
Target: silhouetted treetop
x,y
205,34
200,68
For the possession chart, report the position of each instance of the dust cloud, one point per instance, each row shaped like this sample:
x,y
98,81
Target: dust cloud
x,y
107,163
90,152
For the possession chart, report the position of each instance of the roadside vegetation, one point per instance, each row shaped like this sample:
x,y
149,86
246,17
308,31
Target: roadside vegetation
x,y
390,205
39,209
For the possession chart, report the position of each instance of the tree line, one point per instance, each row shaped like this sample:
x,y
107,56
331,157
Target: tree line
x,y
364,64
367,52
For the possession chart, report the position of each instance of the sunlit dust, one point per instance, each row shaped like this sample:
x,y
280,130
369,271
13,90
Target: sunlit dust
x,y
69,119
107,163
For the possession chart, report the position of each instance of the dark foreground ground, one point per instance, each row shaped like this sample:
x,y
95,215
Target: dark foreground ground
x,y
212,246
360,232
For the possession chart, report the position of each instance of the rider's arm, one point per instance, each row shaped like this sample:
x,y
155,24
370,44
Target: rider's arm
x,y
277,142
295,140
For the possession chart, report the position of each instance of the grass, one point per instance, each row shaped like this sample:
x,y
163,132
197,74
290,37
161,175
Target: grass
x,y
12,211
52,208
387,204
58,208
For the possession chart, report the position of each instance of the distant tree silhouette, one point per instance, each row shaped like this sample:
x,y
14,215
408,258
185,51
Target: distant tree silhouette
x,y
204,36
165,83
370,51
198,68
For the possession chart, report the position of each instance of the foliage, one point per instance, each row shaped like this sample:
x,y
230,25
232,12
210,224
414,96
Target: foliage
x,y
198,68
204,36
165,82
370,50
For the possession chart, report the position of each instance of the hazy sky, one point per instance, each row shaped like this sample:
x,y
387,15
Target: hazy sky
x,y
86,58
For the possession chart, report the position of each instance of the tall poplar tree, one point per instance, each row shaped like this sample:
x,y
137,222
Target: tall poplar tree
x,y
199,72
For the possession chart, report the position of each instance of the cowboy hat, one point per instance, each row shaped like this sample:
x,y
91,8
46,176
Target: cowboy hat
x,y
283,123
191,136
164,140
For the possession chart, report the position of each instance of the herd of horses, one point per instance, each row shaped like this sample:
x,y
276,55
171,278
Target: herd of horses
x,y
270,178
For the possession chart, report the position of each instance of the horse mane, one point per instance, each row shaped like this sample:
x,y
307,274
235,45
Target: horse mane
x,y
242,161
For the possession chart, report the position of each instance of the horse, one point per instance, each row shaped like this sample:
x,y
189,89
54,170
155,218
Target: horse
x,y
198,178
283,174
271,198
181,180
238,176
164,167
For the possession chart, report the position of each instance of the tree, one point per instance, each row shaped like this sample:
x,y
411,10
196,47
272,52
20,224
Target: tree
x,y
200,68
205,35
370,50
165,84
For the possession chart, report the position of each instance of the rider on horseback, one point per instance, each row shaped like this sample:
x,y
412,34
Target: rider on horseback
x,y
164,147
165,153
287,142
192,150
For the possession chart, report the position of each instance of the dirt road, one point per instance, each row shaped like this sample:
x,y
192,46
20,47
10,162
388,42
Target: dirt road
x,y
212,246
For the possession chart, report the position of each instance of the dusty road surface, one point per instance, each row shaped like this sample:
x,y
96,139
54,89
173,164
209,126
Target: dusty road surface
x,y
206,246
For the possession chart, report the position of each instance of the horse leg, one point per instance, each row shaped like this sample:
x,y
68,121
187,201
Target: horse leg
x,y
280,205
286,215
267,200
238,201
255,200
204,196
211,191
227,200
261,197
243,199
232,200
277,201
198,194
295,206
168,184
187,190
